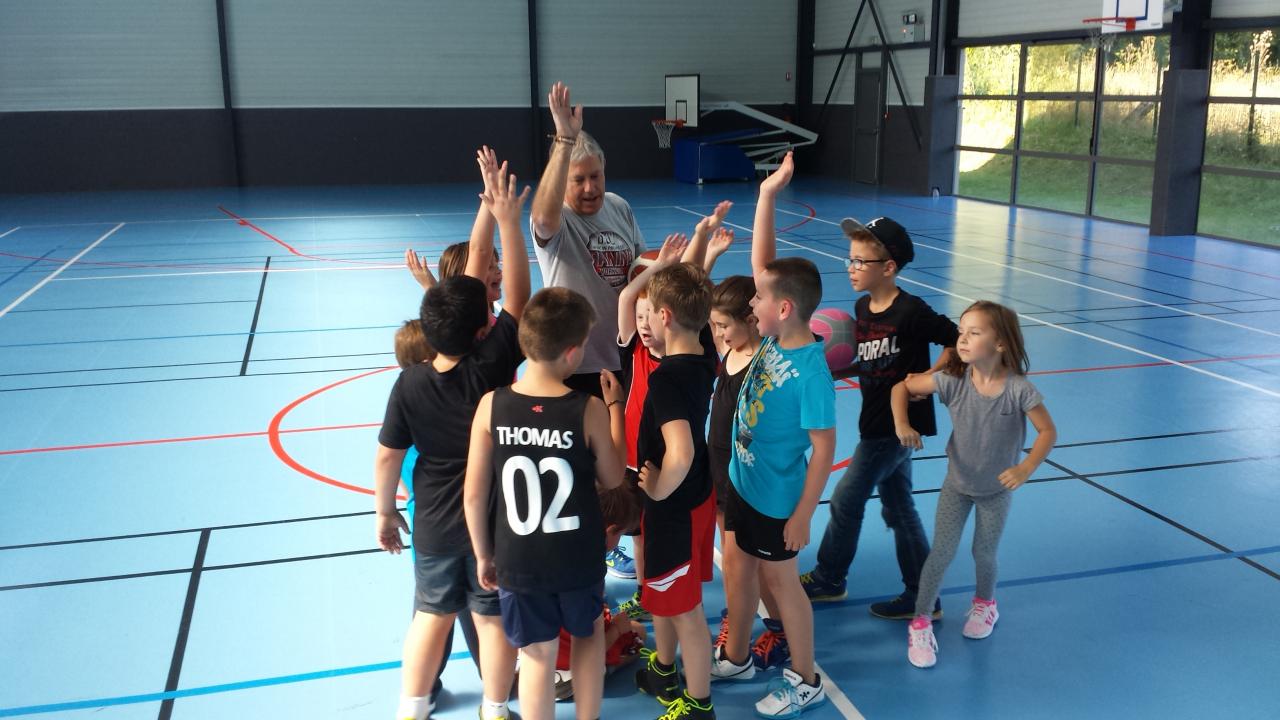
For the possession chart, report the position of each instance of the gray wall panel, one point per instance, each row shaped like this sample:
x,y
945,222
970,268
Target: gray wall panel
x,y
831,26
616,53
984,18
91,55
378,53
1245,8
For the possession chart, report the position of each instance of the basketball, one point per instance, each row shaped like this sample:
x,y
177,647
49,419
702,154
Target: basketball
x,y
835,327
642,262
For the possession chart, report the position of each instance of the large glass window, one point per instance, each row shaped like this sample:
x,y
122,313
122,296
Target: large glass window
x,y
1067,126
1240,183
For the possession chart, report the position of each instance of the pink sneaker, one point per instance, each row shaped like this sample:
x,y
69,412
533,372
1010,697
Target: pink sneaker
x,y
922,647
982,619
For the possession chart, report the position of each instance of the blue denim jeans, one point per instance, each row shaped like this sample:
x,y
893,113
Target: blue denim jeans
x,y
881,464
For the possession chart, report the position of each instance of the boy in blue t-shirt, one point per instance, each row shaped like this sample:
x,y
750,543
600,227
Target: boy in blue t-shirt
x,y
786,406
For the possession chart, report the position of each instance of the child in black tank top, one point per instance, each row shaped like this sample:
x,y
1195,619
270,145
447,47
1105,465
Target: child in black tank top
x,y
540,450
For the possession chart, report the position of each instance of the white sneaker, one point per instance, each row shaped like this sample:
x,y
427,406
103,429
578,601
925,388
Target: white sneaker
x,y
722,668
982,619
922,647
790,695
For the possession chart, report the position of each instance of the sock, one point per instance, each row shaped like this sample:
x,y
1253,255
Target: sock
x,y
982,601
724,655
662,668
701,703
921,622
489,710
414,708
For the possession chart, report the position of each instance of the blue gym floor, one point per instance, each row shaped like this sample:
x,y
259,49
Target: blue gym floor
x,y
190,405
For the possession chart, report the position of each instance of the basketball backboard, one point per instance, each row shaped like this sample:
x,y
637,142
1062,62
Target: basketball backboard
x,y
1145,15
682,99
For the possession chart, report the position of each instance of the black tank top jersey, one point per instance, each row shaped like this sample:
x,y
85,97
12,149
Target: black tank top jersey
x,y
724,400
548,531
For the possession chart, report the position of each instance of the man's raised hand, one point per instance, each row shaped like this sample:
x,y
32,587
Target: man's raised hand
x,y
568,119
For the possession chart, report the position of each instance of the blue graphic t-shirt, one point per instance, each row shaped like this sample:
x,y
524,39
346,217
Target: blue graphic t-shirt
x,y
786,394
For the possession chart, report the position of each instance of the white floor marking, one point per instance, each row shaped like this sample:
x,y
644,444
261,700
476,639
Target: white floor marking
x,y
57,272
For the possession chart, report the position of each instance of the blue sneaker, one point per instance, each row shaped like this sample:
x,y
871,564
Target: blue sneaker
x,y
619,565
820,590
771,650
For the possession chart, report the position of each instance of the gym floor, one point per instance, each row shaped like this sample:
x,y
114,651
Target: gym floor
x,y
192,384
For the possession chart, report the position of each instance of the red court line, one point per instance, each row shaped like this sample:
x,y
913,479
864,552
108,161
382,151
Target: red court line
x,y
847,384
292,250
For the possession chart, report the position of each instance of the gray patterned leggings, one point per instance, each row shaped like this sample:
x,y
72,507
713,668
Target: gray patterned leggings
x,y
953,513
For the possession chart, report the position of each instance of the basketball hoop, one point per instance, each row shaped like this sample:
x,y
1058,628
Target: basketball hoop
x,y
1101,34
1128,23
663,128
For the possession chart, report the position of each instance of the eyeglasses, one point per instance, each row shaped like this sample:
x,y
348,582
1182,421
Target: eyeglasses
x,y
859,263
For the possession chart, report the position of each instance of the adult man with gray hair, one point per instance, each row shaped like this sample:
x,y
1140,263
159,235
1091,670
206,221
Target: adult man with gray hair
x,y
585,238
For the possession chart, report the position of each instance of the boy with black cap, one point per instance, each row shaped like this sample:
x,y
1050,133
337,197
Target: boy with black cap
x,y
893,329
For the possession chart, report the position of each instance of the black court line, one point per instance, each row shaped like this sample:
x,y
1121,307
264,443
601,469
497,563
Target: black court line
x,y
1159,516
185,531
1095,258
184,626
338,516
184,379
257,309
191,590
127,307
1144,317
195,364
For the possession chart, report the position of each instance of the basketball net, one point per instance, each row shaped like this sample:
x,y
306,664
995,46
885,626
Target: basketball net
x,y
663,128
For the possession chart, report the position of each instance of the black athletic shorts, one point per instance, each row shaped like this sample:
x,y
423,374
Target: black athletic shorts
x,y
757,534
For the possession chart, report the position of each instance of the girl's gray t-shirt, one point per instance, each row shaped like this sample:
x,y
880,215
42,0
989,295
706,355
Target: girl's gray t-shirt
x,y
987,433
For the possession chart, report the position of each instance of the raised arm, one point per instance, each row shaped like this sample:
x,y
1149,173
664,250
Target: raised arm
x,y
764,241
420,270
549,200
1046,437
672,248
480,247
696,253
615,401
598,425
721,240
476,490
506,206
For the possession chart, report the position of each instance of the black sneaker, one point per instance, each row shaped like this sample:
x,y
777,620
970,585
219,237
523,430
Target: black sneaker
x,y
652,681
902,608
686,708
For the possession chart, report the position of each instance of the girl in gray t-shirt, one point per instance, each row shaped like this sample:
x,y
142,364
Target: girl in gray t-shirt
x,y
985,388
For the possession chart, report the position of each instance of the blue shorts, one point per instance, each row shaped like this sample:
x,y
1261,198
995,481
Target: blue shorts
x,y
529,618
447,584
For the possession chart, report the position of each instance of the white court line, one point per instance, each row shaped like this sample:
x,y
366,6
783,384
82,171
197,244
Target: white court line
x,y
57,272
834,693
1037,320
1068,282
10,232
232,272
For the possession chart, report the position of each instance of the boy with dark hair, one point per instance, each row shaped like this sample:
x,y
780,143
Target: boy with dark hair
x,y
678,526
892,332
547,446
430,408
786,406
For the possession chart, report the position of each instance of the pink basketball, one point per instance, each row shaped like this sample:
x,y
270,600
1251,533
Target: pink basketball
x,y
835,327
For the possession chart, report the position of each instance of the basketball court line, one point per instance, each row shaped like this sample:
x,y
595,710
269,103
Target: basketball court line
x,y
1072,331
193,364
19,271
1071,282
57,272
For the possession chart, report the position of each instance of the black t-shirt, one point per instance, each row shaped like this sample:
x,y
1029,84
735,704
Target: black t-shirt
x,y
548,531
680,389
724,401
432,411
890,345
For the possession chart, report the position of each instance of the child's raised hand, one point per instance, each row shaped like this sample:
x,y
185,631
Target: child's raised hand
x,y
419,270
490,172
672,248
487,573
1014,477
720,241
908,437
780,177
502,200
648,472
388,528
610,388
714,220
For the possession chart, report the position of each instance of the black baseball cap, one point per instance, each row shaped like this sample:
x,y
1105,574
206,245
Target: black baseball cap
x,y
893,236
